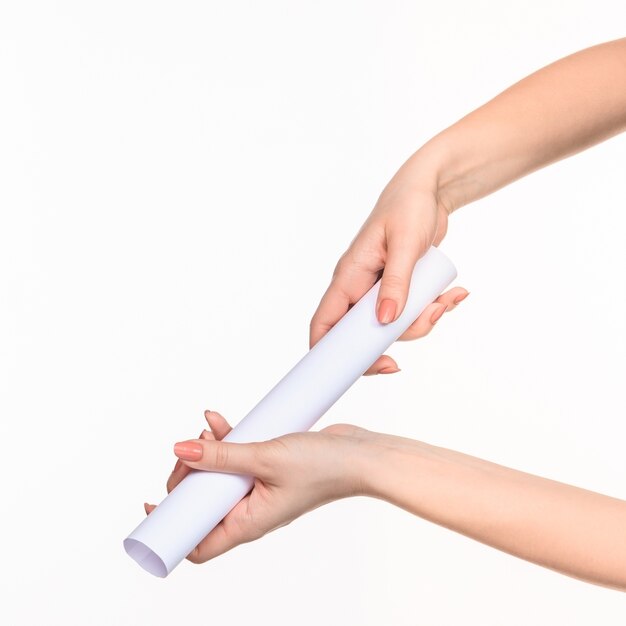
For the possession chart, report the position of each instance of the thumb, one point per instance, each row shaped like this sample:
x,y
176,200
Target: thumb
x,y
220,456
403,251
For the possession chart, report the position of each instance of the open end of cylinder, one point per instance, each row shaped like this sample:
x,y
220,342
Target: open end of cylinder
x,y
145,557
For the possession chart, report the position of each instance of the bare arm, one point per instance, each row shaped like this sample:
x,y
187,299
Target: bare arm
x,y
571,530
560,110
557,111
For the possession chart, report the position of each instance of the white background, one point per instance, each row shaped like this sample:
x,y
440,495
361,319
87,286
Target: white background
x,y
177,181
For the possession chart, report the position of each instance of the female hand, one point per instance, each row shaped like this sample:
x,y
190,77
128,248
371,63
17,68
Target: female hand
x,y
565,528
293,474
533,123
405,222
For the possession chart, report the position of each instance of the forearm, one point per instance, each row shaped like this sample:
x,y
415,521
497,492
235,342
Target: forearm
x,y
561,109
574,531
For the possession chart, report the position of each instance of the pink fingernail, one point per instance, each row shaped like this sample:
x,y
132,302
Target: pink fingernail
x,y
436,316
389,370
188,451
386,311
461,298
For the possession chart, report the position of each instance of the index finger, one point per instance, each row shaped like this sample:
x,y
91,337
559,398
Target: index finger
x,y
346,287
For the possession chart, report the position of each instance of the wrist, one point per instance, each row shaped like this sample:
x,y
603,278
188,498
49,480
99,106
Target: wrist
x,y
454,167
447,165
386,466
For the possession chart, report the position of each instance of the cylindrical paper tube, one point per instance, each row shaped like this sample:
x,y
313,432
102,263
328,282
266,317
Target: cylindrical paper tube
x,y
318,380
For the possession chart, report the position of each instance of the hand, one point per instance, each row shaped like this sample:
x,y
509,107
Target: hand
x,y
405,222
293,474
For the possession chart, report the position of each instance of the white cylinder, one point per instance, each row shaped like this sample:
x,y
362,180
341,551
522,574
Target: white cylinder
x,y
316,382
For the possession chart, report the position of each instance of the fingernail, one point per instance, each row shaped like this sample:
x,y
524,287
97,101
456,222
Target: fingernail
x,y
145,507
436,316
461,297
389,370
386,311
188,451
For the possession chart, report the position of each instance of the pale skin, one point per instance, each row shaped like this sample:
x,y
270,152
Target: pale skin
x,y
553,113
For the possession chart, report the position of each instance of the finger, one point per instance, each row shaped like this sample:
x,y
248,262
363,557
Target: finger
x,y
224,537
180,469
383,365
220,456
218,424
432,313
177,476
148,508
403,251
351,280
453,297
425,322
421,327
338,298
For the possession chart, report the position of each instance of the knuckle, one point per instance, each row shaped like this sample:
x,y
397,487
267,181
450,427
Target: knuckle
x,y
345,430
220,458
339,429
394,281
269,457
263,458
